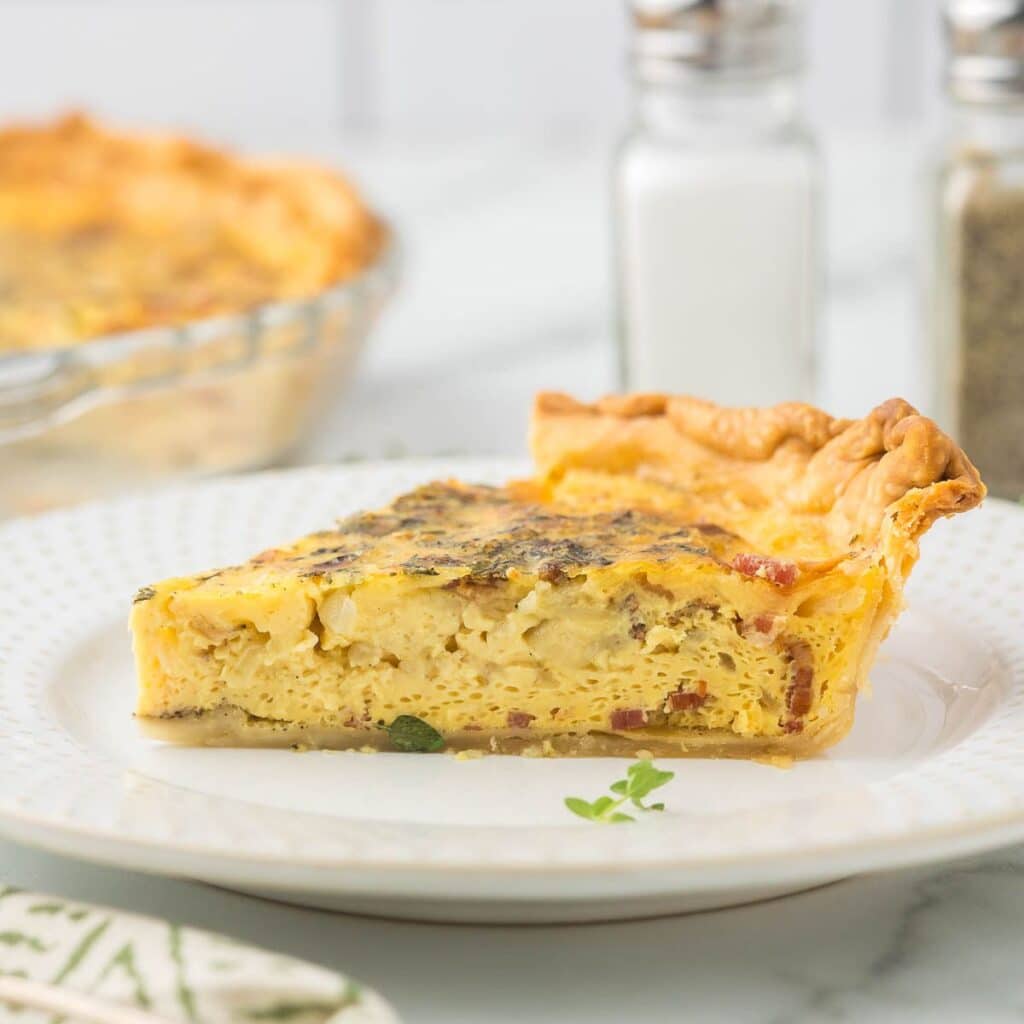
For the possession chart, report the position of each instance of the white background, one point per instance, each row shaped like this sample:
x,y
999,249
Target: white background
x,y
285,69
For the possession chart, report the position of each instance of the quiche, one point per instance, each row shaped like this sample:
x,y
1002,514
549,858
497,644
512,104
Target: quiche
x,y
676,578
102,232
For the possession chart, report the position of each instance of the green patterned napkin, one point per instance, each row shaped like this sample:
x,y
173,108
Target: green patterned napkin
x,y
176,973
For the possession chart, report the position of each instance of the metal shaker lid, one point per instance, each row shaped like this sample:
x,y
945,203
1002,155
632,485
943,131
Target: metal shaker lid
x,y
680,39
986,50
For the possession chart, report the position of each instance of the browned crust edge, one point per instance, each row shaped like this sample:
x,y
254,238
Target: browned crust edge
x,y
892,470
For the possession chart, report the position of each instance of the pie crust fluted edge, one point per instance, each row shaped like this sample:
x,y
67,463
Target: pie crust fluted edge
x,y
880,480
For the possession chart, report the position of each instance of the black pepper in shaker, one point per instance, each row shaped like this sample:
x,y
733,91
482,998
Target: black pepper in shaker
x,y
979,286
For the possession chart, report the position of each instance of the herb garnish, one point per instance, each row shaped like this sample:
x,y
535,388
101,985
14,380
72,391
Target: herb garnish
x,y
143,594
641,778
413,735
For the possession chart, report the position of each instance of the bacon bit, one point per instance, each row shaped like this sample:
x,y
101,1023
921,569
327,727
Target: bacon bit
x,y
800,692
685,701
689,700
782,574
519,719
794,725
638,631
762,630
629,718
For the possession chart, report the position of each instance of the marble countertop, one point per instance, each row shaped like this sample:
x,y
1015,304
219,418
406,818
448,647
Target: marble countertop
x,y
937,945
506,291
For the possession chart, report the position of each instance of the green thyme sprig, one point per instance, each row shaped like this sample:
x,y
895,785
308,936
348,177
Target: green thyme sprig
x,y
641,779
412,735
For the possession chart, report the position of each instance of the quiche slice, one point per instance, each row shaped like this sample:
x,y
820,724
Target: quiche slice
x,y
678,578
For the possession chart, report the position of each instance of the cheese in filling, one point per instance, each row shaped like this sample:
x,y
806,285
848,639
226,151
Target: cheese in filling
x,y
502,618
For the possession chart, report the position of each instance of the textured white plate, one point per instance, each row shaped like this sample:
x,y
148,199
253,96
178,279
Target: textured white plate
x,y
933,768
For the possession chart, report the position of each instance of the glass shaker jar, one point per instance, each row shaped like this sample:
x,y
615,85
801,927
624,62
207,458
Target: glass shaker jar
x,y
716,193
716,198
978,287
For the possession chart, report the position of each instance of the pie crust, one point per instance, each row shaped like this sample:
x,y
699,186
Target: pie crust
x,y
881,480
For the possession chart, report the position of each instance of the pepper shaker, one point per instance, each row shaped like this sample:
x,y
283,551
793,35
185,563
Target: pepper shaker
x,y
977,290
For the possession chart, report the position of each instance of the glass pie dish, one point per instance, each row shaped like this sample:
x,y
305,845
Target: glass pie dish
x,y
169,308
232,392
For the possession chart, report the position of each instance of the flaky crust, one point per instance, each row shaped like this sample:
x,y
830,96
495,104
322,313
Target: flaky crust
x,y
881,480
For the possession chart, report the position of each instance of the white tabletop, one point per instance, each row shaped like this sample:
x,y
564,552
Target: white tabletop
x,y
506,292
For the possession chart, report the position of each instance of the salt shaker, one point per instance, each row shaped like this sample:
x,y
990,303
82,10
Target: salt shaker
x,y
716,205
977,287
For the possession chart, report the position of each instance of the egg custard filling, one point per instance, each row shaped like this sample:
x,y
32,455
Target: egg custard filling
x,y
677,578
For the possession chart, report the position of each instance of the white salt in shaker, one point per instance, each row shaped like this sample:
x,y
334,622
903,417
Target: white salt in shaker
x,y
716,196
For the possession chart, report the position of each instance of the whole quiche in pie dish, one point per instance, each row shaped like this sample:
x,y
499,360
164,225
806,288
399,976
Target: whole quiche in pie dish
x,y
167,307
676,578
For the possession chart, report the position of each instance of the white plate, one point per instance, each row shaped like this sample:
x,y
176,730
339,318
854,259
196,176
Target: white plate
x,y
933,768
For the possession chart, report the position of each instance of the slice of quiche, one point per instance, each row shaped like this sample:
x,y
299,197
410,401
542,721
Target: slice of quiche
x,y
678,578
